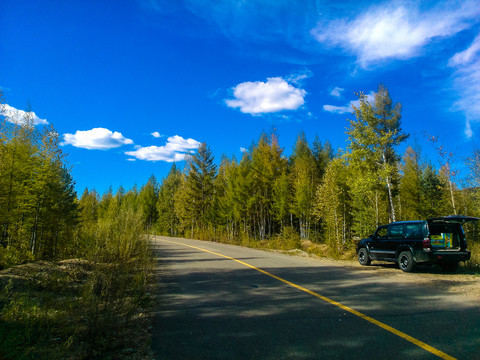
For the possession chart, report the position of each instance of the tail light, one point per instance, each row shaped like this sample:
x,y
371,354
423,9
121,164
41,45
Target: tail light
x,y
426,244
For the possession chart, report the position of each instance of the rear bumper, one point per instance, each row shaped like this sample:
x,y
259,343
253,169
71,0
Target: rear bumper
x,y
441,256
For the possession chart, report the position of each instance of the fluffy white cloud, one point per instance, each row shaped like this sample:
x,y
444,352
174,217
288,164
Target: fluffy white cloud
x,y
349,107
394,30
266,97
174,150
16,116
243,150
156,134
466,81
96,139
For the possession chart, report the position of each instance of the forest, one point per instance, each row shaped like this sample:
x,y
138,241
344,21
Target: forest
x,y
79,268
317,193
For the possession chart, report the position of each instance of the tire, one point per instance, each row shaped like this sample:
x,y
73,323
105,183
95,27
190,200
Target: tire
x,y
449,267
406,262
363,257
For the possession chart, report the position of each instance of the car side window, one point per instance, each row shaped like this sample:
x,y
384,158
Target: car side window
x,y
414,231
382,233
396,231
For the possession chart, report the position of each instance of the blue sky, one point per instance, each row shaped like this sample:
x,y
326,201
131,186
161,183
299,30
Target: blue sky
x,y
132,86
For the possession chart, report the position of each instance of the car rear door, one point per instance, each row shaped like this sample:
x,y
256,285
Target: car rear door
x,y
446,232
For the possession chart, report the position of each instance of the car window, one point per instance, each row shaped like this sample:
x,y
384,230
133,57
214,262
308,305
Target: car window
x,y
414,231
382,232
396,231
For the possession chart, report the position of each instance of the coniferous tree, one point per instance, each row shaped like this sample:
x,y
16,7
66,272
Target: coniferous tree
x,y
168,220
148,198
199,186
305,180
410,186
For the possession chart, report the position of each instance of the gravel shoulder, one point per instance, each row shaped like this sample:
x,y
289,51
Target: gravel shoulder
x,y
459,283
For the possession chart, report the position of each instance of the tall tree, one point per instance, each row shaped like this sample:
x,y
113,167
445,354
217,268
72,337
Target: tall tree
x,y
410,185
200,184
375,134
333,205
305,180
168,220
148,198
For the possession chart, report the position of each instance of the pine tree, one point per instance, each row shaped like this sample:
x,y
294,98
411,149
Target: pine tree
x,y
267,165
199,184
305,180
168,220
148,198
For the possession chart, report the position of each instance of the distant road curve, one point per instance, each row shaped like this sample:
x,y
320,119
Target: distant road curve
x,y
226,302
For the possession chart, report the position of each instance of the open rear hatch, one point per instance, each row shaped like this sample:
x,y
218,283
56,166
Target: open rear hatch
x,y
446,232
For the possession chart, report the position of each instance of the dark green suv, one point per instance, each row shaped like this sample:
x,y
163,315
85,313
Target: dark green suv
x,y
434,241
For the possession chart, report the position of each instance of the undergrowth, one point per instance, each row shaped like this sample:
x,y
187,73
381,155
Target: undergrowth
x,y
92,308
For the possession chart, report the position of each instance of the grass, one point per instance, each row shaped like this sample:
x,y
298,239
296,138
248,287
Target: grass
x,y
74,309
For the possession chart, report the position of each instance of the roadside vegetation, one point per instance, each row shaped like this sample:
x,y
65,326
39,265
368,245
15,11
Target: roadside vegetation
x,y
75,276
75,271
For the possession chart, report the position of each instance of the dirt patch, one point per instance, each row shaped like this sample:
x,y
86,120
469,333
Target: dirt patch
x,y
463,282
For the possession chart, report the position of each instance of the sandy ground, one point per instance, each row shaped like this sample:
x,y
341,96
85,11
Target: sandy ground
x,y
460,282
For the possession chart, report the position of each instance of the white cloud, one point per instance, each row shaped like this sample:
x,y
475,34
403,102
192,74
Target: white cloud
x,y
349,107
298,77
337,109
18,117
466,56
266,97
466,80
156,134
96,139
337,91
393,31
243,150
174,150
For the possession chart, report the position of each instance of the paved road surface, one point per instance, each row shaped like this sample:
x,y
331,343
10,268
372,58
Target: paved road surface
x,y
213,307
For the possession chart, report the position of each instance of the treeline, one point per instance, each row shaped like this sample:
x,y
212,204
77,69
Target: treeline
x,y
38,205
40,214
316,193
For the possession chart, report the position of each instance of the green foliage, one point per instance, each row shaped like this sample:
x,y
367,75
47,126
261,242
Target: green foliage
x,y
333,204
168,222
38,207
373,137
148,198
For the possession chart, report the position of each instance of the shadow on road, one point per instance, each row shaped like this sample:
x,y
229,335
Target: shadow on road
x,y
214,308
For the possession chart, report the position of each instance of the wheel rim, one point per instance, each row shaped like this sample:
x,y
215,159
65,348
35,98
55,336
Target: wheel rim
x,y
361,256
404,262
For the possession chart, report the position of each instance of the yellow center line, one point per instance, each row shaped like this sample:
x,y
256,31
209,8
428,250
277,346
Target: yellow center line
x,y
399,333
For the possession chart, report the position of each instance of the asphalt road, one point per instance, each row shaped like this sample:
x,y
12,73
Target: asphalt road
x,y
213,307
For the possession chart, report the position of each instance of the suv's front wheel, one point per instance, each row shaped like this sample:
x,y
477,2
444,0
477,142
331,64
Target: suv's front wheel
x,y
363,257
406,262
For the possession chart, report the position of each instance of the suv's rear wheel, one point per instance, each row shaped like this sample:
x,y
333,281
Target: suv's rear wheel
x,y
363,257
406,262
